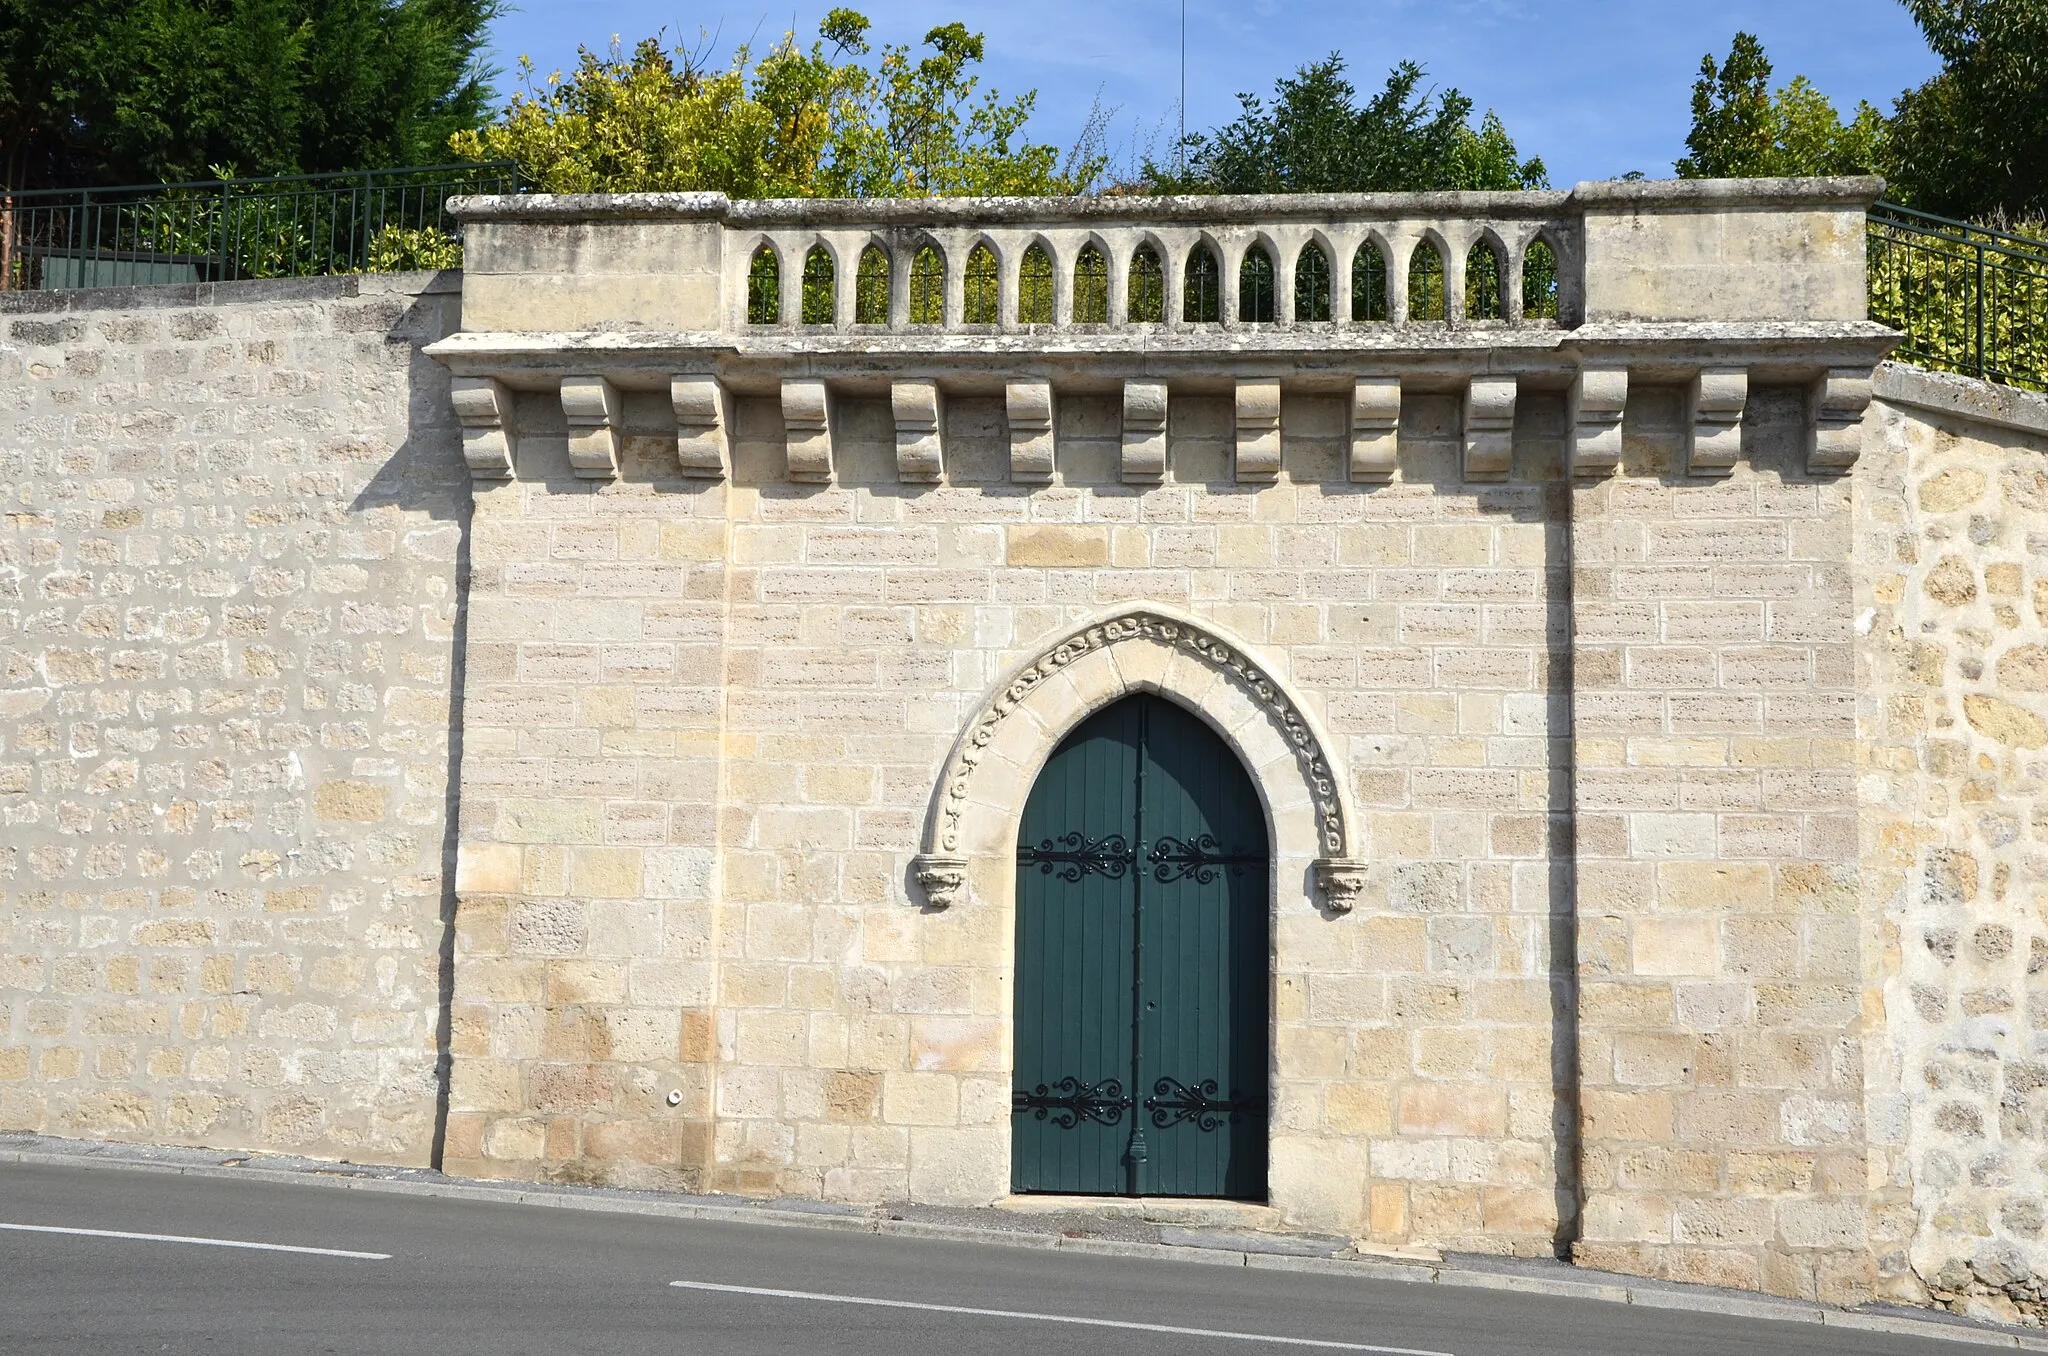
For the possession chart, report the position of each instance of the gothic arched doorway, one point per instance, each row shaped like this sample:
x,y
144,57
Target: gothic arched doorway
x,y
1143,956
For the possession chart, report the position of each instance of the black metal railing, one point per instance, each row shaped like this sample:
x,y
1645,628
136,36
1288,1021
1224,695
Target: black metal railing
x,y
1970,299
295,226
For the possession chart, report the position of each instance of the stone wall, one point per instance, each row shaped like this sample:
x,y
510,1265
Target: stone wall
x,y
1952,597
228,594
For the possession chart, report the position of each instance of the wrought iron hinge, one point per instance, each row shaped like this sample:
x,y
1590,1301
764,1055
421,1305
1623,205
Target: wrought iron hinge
x,y
1069,1101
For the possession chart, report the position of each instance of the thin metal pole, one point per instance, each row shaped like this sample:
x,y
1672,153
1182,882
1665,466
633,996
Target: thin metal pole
x,y
1980,312
1180,147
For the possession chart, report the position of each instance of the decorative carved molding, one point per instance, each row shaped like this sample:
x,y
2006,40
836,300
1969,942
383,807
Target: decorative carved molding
x,y
1489,427
483,406
1258,432
1340,881
956,784
942,878
1375,429
1714,414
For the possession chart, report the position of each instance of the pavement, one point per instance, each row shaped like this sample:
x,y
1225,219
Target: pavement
x,y
107,1249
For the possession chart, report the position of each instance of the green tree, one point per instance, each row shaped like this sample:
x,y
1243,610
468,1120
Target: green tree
x,y
1316,138
123,91
838,119
1740,130
1973,141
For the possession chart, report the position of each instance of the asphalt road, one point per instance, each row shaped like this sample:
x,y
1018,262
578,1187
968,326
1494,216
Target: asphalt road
x,y
460,1277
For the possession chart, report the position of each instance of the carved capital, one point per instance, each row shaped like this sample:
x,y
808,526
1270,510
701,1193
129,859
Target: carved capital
x,y
943,879
1340,881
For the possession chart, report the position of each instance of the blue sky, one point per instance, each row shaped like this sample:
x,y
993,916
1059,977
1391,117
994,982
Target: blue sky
x,y
1596,87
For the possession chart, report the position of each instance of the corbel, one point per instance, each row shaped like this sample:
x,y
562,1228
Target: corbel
x,y
1599,396
920,430
703,426
1143,459
1489,428
590,405
483,406
1375,428
1030,410
807,427
1340,882
1258,432
1834,419
1714,420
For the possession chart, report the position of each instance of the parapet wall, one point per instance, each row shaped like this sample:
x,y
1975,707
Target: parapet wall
x,y
229,587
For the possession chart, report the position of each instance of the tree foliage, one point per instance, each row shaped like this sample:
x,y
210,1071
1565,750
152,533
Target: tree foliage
x,y
838,119
1741,130
1315,137
1973,141
139,91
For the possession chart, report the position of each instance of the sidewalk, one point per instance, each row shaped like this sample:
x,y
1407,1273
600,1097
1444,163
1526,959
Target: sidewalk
x,y
1162,1230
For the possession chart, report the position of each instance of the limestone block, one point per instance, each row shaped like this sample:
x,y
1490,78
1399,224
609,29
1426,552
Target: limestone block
x,y
1489,427
920,412
590,405
1597,399
1714,420
484,408
703,411
1143,461
1834,419
1029,405
1375,428
806,418
1258,432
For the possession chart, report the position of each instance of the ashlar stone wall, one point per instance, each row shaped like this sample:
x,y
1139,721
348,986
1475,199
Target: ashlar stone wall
x,y
234,518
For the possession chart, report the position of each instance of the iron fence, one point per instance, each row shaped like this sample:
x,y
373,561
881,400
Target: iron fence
x,y
1970,299
293,226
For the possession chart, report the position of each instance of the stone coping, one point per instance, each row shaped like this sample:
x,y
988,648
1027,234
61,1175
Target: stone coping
x,y
1109,1230
240,292
1970,397
1708,195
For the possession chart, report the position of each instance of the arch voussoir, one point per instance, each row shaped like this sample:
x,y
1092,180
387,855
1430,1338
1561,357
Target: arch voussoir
x,y
980,791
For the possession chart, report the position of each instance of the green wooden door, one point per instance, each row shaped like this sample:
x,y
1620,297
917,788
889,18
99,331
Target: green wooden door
x,y
1142,963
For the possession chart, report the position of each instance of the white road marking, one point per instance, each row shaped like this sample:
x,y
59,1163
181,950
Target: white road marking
x,y
209,1242
1054,1318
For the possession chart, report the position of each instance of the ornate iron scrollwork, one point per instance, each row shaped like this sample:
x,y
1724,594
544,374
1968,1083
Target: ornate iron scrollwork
x,y
1111,856
1069,1101
1173,859
1173,1102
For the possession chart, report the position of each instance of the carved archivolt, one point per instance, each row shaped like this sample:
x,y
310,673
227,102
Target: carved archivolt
x,y
942,829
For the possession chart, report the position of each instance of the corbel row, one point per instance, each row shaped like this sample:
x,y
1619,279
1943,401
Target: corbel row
x,y
1716,399
702,406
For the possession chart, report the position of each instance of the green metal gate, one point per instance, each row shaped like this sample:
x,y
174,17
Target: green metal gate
x,y
1142,962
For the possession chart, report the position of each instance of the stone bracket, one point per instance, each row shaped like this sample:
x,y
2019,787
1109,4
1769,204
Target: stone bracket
x,y
920,411
1714,420
1143,460
1339,882
1834,419
1599,396
483,405
590,405
703,412
1258,432
1375,428
1489,428
1029,406
807,428
942,878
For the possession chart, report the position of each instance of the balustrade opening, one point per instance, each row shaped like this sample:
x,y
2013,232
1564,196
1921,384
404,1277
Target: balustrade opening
x,y
1034,287
1368,283
984,282
1539,281
1147,301
1485,284
1202,289
1312,284
764,288
818,287
1426,284
871,288
1091,287
927,287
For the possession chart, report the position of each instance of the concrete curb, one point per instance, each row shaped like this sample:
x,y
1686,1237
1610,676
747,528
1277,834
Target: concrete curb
x,y
1661,1296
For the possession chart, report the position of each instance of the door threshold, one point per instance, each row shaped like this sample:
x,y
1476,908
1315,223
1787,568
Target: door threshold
x,y
1192,1210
